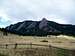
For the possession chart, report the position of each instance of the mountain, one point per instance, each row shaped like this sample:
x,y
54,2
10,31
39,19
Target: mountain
x,y
41,28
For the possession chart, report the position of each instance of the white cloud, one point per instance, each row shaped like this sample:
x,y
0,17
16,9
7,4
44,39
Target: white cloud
x,y
58,19
19,10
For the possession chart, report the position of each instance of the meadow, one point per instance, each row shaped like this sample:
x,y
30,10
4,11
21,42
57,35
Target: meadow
x,y
37,46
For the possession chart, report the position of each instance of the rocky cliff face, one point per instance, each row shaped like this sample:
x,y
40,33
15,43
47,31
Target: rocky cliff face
x,y
43,27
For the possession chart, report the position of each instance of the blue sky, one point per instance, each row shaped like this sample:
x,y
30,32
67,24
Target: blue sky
x,y
13,11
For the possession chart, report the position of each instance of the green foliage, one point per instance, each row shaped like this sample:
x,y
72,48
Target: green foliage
x,y
4,31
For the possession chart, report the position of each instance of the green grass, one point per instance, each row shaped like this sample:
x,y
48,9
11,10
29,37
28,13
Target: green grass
x,y
61,52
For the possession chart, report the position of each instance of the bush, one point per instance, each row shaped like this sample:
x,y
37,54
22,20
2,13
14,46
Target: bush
x,y
44,41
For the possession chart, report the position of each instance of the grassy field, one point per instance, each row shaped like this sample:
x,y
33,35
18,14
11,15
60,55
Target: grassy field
x,y
58,41
63,42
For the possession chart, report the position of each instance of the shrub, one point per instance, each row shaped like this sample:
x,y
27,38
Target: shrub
x,y
44,41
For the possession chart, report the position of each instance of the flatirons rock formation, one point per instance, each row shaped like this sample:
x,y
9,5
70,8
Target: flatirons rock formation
x,y
41,28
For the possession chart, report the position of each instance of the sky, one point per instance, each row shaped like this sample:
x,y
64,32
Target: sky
x,y
60,11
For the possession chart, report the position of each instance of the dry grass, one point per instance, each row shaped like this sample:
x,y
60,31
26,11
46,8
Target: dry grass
x,y
65,42
59,41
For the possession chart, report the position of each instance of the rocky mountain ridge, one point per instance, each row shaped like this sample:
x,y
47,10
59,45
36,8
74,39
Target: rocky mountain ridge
x,y
41,28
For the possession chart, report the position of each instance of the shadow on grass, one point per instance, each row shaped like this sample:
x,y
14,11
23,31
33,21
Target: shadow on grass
x,y
3,54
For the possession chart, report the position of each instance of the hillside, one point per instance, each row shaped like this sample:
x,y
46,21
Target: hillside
x,y
41,28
